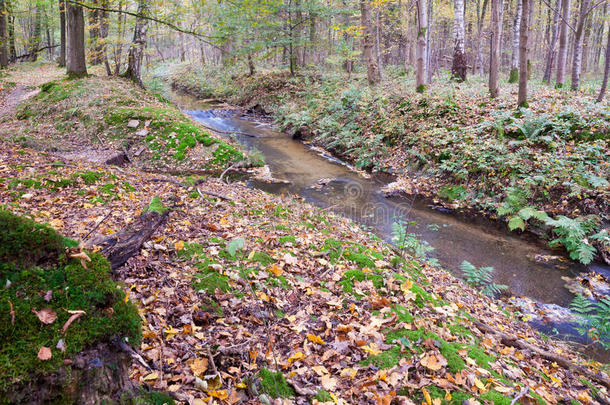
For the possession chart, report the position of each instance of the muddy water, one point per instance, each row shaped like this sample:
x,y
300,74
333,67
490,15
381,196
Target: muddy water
x,y
329,183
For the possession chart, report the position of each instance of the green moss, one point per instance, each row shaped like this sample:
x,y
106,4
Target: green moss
x,y
275,385
287,239
403,314
513,76
496,397
361,259
209,279
455,363
350,276
146,398
156,205
262,258
421,88
25,243
385,359
323,396
72,288
480,357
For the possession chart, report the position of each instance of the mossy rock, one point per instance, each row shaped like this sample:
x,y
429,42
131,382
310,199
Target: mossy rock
x,y
34,266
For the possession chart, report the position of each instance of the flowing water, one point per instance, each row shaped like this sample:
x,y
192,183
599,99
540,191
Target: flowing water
x,y
327,182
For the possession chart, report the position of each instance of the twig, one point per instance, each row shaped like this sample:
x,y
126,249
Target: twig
x,y
97,226
100,139
129,350
214,369
225,171
520,395
222,197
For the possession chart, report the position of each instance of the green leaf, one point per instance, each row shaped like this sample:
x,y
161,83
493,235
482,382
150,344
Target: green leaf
x,y
516,223
235,245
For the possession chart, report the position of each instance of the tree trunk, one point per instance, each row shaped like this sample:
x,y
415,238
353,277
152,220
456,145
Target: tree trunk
x,y
348,63
495,46
523,53
459,66
36,38
76,62
372,70
562,56
136,51
3,35
602,92
577,56
378,41
514,61
429,71
12,49
121,24
550,56
422,44
62,33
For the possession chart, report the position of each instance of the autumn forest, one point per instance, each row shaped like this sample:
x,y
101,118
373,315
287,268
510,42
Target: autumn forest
x,y
304,202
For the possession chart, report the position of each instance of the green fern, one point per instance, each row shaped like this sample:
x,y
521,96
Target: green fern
x,y
595,318
572,234
519,221
516,199
481,278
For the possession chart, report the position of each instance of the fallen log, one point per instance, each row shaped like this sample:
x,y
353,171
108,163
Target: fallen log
x,y
508,340
119,247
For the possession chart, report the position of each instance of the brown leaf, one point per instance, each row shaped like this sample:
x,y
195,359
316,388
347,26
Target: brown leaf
x,y
46,316
44,353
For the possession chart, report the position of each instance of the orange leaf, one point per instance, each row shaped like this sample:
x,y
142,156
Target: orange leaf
x,y
315,339
44,353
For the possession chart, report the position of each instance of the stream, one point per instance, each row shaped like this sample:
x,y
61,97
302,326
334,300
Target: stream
x,y
329,183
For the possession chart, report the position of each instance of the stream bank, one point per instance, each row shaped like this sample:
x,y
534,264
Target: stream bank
x,y
530,271
452,144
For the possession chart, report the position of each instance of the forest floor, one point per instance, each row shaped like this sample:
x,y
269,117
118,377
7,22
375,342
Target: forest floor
x,y
245,296
452,145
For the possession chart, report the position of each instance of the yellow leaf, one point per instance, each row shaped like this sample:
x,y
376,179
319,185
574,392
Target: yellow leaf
x,y
150,377
170,332
479,384
427,396
447,396
295,357
277,271
179,245
240,385
315,339
220,394
127,293
371,349
334,397
349,372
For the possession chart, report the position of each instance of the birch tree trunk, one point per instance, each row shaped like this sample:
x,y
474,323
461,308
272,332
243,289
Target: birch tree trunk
x,y
495,46
514,61
62,33
602,91
76,62
372,70
562,56
3,35
577,56
136,51
459,66
422,28
550,56
523,53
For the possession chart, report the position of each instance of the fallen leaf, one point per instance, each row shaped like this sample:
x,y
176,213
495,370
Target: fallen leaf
x,y
315,339
328,383
277,271
44,353
150,377
433,362
427,396
199,366
46,316
179,245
